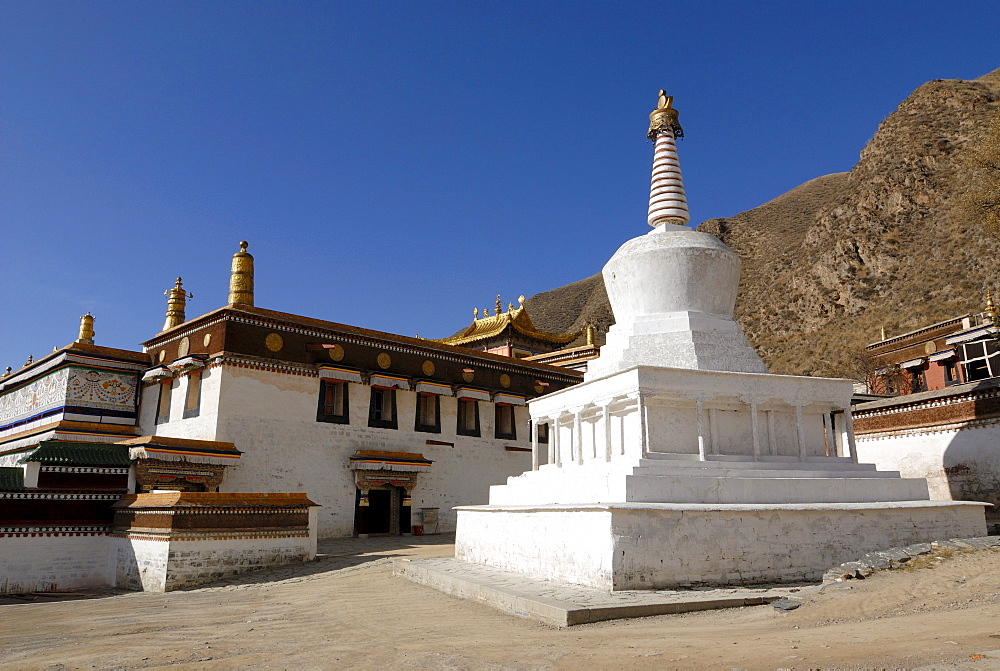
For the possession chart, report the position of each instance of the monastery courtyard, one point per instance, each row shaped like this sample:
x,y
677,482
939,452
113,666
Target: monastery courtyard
x,y
347,610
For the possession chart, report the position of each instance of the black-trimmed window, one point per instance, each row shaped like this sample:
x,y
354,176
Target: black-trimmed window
x,y
950,373
333,402
918,380
468,417
382,408
504,425
543,432
192,399
428,416
163,403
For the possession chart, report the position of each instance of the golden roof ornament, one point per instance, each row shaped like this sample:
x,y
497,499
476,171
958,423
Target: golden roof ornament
x,y
176,303
991,308
664,119
499,306
30,361
591,331
475,313
8,371
241,278
86,335
883,333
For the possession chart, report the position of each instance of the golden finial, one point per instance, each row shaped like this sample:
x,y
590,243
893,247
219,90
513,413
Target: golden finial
x,y
30,361
486,313
991,308
510,307
475,313
520,300
590,333
86,330
499,306
883,333
241,278
8,372
176,302
664,118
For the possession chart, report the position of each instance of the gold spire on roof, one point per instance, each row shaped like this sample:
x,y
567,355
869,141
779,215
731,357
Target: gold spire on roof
x,y
176,303
991,308
883,333
664,118
241,278
86,335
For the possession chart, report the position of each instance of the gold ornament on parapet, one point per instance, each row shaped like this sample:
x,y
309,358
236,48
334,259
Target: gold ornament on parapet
x,y
183,347
336,353
274,342
427,367
505,381
207,340
384,361
241,277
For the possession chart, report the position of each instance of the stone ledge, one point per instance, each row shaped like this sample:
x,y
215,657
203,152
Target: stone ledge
x,y
567,605
898,556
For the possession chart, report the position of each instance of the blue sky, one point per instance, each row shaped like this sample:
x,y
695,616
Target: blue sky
x,y
394,165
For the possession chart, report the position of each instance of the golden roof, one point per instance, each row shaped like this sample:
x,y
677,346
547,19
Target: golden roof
x,y
490,326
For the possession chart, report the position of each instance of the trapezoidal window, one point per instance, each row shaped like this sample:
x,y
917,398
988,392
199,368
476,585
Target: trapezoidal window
x,y
428,413
504,426
382,409
468,417
333,405
163,403
192,399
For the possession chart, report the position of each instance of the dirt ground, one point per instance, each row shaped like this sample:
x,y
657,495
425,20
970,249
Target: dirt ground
x,y
346,610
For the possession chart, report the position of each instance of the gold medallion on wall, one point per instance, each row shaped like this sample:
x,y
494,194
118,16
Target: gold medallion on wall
x,y
183,347
384,360
163,355
207,340
468,375
505,381
336,353
539,387
274,342
428,367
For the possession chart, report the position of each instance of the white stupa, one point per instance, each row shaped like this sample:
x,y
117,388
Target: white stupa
x,y
680,460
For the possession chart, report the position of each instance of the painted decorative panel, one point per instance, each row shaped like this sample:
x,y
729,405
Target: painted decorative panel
x,y
43,394
101,389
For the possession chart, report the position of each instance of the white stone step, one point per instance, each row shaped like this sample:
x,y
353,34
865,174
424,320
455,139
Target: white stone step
x,y
685,489
762,471
769,462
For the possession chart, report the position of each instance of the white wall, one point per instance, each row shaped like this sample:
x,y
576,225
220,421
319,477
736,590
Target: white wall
x,y
271,416
52,563
958,464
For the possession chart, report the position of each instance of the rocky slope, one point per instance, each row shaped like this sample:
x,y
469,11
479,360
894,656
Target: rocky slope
x,y
828,263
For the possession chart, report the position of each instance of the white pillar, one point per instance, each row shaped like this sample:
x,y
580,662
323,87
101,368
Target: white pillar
x,y
849,426
554,439
713,431
772,445
578,436
643,426
754,429
800,433
700,412
606,415
534,446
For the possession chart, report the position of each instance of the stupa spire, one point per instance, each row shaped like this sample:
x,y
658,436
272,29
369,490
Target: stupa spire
x,y
667,202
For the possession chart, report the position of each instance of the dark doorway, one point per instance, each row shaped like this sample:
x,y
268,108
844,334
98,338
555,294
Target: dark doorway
x,y
385,512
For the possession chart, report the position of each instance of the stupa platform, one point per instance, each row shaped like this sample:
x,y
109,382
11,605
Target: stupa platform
x,y
655,546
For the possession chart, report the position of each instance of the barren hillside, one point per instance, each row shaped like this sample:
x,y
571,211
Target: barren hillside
x,y
829,262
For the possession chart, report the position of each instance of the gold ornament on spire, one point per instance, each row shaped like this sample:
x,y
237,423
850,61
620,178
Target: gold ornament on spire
x,y
241,278
991,308
883,333
86,335
664,118
591,332
499,306
475,313
176,302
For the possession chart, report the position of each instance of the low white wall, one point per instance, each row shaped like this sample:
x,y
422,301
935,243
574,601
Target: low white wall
x,y
662,546
958,464
53,562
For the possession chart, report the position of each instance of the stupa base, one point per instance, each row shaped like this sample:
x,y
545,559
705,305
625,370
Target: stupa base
x,y
627,546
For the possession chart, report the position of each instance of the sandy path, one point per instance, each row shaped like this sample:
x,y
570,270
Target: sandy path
x,y
347,610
